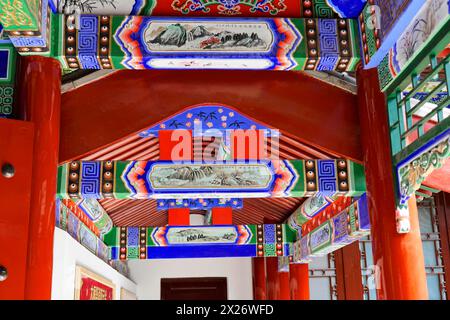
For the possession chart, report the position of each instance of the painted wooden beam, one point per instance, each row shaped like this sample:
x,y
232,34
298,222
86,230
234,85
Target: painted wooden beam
x,y
200,204
132,42
162,180
268,240
316,208
381,24
94,212
425,28
37,41
20,15
80,227
67,205
221,8
69,219
319,239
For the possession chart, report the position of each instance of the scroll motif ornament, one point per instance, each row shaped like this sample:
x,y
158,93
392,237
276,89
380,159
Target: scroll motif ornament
x,y
415,172
13,13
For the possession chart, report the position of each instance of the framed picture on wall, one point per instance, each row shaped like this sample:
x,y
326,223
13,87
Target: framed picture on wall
x,y
127,295
91,286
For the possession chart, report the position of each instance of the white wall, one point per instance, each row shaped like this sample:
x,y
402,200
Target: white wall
x,y
147,274
67,253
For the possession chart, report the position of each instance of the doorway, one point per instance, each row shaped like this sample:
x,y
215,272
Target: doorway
x,y
194,289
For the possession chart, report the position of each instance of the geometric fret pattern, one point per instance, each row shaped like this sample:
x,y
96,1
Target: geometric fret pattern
x,y
329,47
90,179
88,42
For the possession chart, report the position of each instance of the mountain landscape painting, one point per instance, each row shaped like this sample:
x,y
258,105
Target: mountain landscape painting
x,y
208,36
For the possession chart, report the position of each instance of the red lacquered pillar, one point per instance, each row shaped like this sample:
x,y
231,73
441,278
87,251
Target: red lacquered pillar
x,y
285,290
222,216
398,257
273,285
259,279
299,281
179,217
40,102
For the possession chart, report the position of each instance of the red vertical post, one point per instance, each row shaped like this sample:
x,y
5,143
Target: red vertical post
x,y
348,272
175,145
399,258
259,279
273,285
40,102
285,289
179,217
299,281
222,216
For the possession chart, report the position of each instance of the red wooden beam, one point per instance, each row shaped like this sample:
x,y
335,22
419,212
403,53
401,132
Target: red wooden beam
x,y
102,112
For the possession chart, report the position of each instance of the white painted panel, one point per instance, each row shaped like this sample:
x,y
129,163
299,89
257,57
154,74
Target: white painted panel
x,y
67,253
148,274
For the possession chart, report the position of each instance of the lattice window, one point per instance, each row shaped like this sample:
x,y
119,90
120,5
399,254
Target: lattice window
x,y
421,101
429,228
322,278
367,269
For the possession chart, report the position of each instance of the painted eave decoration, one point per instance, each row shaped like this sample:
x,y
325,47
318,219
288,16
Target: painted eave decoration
x,y
320,40
267,240
393,33
208,120
218,8
232,179
414,169
327,235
